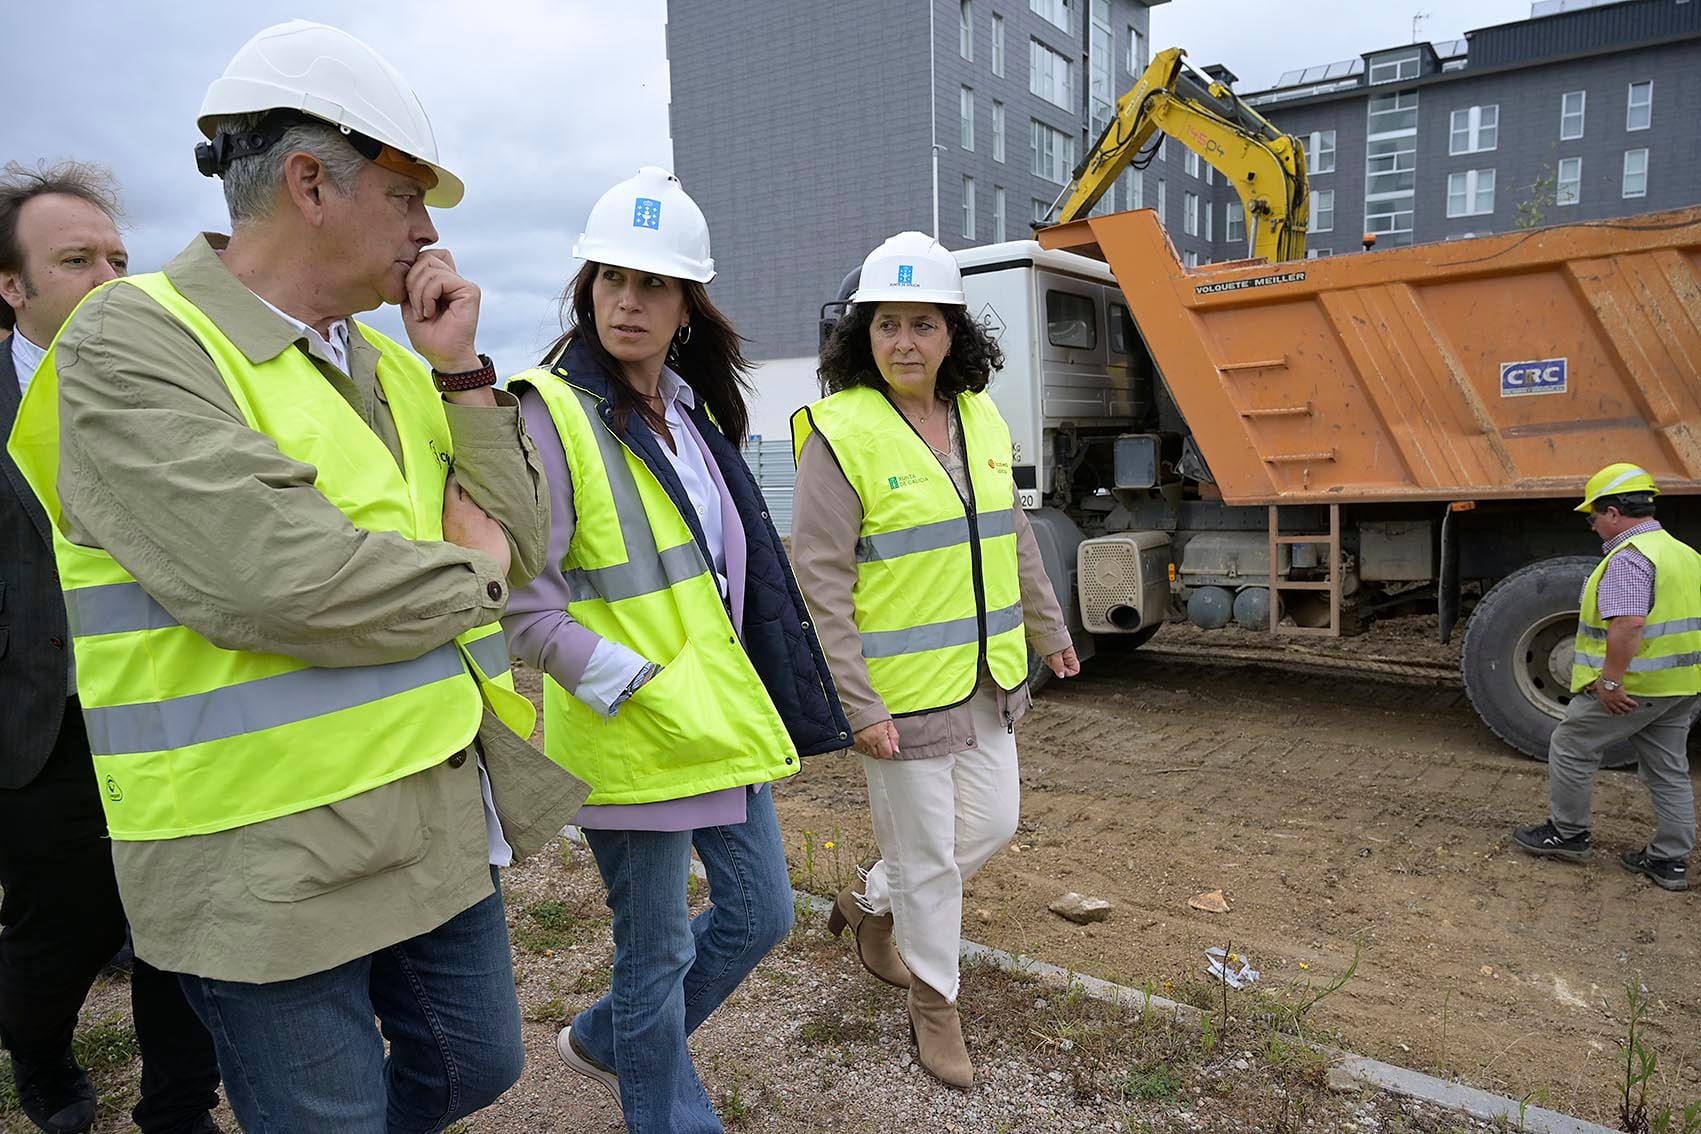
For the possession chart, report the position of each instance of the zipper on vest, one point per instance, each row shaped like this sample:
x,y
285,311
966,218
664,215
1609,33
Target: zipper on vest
x,y
968,503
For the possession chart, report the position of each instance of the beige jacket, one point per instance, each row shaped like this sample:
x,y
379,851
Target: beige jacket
x,y
223,530
826,522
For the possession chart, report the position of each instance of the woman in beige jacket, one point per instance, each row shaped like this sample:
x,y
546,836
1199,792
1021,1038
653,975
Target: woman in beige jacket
x,y
942,781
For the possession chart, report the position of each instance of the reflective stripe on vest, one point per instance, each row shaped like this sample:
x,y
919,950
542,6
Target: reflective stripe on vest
x,y
937,591
635,576
191,738
1667,662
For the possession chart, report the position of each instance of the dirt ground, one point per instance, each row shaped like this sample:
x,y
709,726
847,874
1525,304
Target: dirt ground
x,y
1335,810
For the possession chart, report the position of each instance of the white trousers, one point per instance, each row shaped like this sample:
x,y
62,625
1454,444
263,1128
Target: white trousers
x,y
938,820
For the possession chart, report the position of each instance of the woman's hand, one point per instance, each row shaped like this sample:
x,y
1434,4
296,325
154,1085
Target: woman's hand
x,y
1064,663
878,740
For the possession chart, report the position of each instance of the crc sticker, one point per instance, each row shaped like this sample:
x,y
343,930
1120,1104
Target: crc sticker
x,y
1542,376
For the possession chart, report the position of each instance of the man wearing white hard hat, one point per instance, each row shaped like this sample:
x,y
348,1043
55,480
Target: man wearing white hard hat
x,y
682,672
1635,680
928,589
285,544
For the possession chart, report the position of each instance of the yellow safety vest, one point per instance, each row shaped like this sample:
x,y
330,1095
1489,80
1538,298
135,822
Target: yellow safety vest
x,y
636,576
189,738
1668,662
937,590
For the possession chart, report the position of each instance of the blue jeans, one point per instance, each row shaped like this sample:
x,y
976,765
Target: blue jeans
x,y
672,970
303,1054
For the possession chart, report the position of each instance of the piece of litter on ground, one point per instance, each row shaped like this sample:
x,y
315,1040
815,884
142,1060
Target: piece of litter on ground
x,y
1221,964
1211,901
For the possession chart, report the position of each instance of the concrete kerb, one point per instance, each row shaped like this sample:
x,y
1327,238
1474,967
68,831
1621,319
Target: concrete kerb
x,y
1372,1073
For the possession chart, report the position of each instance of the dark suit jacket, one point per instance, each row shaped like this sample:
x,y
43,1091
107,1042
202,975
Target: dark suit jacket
x,y
33,634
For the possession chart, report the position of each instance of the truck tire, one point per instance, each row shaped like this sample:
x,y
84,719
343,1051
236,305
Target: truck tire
x,y
1517,653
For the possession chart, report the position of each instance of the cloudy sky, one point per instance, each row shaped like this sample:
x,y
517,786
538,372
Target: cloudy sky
x,y
539,105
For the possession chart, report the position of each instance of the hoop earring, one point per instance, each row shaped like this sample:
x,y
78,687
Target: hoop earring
x,y
683,335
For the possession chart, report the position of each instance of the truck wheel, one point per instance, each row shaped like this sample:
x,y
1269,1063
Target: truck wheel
x,y
1517,652
1039,674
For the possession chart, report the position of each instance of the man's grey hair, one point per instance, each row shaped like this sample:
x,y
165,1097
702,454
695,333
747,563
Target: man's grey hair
x,y
251,183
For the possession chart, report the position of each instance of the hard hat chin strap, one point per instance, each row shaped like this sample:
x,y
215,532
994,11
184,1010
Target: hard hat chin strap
x,y
214,157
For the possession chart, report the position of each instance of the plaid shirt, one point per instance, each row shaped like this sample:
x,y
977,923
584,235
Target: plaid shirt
x,y
1627,587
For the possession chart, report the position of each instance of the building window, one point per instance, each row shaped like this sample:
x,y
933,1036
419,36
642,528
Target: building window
x,y
1190,213
1474,130
1391,112
1210,214
1053,153
998,46
1568,190
1057,11
1635,173
998,215
1136,52
969,207
966,29
1394,69
1322,210
1317,253
1101,67
997,130
1050,75
1234,222
1571,115
1471,193
1391,165
1391,218
1161,209
966,108
1320,152
1210,175
1041,211
1639,110
1133,189
1192,259
1190,162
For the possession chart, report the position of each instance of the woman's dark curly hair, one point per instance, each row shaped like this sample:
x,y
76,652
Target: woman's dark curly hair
x,y
848,358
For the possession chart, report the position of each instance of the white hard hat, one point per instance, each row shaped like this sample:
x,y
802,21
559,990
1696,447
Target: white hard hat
x,y
330,75
911,267
648,224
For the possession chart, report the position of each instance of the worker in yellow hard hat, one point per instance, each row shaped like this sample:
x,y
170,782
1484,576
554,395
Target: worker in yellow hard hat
x,y
1635,677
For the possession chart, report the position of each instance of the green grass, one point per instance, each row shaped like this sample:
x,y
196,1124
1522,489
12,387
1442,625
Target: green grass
x,y
1151,1084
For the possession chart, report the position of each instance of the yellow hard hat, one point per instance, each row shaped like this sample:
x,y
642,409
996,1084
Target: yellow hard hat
x,y
1617,480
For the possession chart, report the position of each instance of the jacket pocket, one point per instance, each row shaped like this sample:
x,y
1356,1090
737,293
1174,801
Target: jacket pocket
x,y
681,713
295,857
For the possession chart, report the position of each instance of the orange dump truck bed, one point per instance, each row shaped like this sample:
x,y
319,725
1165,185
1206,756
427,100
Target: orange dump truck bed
x,y
1498,366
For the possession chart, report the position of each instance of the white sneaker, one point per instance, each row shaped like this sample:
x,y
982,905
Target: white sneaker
x,y
577,1061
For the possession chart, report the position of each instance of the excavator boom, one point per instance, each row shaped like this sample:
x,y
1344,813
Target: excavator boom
x,y
1265,166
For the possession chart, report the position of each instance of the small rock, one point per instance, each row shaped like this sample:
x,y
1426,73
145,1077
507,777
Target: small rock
x,y
1081,910
1340,1081
1211,901
984,915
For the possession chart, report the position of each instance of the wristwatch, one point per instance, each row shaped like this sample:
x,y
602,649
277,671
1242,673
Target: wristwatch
x,y
485,375
1611,686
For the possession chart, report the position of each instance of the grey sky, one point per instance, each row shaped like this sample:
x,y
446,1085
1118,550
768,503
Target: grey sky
x,y
539,106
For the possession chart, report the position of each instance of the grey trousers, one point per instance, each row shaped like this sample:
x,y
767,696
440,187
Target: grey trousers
x,y
1658,732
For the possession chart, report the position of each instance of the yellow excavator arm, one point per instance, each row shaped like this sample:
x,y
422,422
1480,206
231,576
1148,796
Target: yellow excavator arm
x,y
1265,166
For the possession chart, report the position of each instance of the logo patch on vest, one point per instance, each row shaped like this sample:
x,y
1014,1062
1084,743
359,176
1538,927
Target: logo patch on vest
x,y
113,791
904,480
998,466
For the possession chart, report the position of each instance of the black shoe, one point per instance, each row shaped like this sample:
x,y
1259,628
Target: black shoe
x,y
1545,841
1667,873
57,1097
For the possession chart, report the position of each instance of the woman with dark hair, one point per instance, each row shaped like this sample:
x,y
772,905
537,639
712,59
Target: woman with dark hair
x,y
928,590
681,672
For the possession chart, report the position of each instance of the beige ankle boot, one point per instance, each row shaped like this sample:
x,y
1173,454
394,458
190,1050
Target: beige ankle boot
x,y
873,936
939,1037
